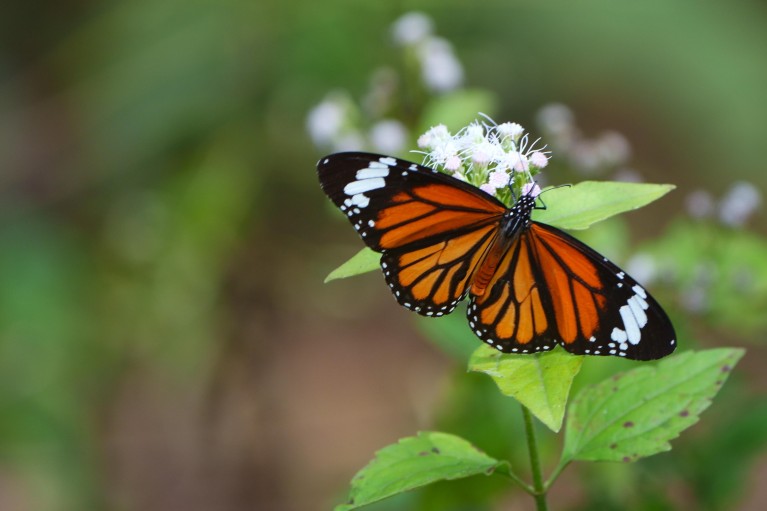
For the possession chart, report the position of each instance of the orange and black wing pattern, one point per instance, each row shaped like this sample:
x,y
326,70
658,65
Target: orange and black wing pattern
x,y
432,229
552,289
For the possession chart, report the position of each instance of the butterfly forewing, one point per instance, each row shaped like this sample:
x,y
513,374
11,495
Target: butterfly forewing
x,y
599,308
432,229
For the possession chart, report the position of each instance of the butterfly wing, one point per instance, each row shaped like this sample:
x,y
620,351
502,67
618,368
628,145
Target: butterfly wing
x,y
551,288
432,229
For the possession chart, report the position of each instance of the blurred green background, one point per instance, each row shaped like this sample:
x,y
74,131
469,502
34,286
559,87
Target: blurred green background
x,y
166,341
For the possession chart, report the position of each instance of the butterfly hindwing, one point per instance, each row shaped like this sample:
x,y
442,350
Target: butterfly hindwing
x,y
513,314
432,280
562,291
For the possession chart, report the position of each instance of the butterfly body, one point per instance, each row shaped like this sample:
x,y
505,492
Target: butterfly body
x,y
531,286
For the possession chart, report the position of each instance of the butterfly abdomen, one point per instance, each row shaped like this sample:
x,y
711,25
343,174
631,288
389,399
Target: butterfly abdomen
x,y
513,222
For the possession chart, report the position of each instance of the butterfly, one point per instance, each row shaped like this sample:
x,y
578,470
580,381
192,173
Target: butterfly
x,y
530,286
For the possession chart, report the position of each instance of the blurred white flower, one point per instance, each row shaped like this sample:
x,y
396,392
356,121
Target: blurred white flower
x,y
388,136
700,204
739,203
325,121
613,148
440,69
555,118
411,28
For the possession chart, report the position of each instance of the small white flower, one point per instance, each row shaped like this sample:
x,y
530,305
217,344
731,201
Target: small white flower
x,y
498,179
484,152
511,130
488,188
453,162
441,152
509,160
388,136
531,189
434,136
539,160
411,28
474,134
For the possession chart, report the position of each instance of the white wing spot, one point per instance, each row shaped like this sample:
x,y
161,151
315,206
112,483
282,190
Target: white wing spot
x,y
630,324
637,310
364,185
388,161
371,223
618,335
360,200
639,290
372,172
620,275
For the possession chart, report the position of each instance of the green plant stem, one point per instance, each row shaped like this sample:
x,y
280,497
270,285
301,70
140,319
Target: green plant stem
x,y
535,462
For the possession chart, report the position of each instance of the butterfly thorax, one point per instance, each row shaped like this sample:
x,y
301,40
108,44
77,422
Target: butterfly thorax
x,y
514,221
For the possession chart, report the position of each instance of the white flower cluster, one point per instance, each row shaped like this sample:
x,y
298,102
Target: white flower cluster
x,y
488,156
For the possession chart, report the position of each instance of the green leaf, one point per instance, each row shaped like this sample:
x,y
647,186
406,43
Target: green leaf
x,y
541,381
635,414
580,205
417,461
362,262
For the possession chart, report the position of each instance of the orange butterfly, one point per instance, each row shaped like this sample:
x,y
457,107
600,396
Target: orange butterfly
x,y
531,286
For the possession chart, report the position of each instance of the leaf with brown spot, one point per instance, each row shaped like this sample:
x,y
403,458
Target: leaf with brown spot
x,y
651,406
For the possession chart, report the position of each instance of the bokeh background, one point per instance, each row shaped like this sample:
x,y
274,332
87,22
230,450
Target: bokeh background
x,y
166,339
